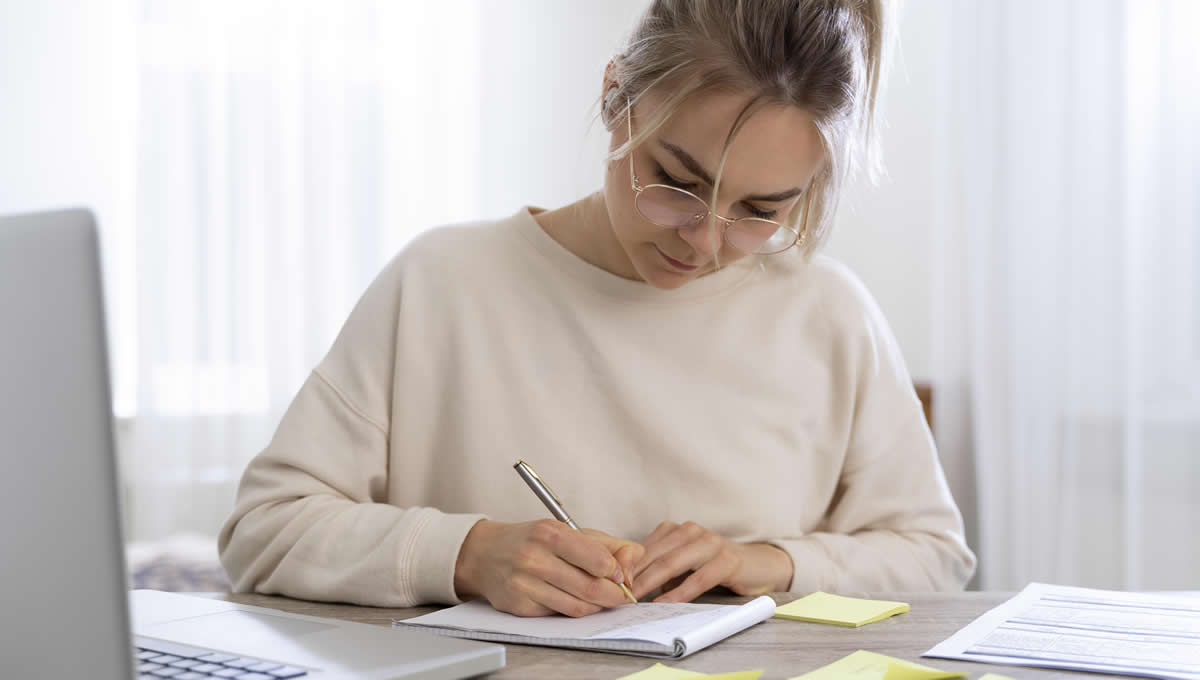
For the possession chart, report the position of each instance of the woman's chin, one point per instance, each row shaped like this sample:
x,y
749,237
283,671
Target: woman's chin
x,y
664,279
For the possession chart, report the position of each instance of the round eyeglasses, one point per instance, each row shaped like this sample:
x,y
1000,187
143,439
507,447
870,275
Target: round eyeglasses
x,y
675,208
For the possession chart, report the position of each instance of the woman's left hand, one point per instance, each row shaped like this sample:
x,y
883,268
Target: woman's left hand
x,y
689,560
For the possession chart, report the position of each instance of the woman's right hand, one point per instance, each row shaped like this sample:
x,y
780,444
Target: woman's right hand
x,y
544,567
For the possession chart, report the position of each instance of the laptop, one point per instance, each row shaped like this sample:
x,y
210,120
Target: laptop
x,y
67,611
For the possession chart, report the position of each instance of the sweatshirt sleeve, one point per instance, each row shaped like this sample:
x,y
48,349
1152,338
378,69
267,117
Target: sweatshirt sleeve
x,y
312,518
892,525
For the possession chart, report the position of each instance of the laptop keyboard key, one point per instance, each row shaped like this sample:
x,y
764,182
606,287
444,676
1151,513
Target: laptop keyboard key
x,y
173,648
165,659
180,662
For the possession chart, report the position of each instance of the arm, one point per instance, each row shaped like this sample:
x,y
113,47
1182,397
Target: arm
x,y
892,526
314,518
311,519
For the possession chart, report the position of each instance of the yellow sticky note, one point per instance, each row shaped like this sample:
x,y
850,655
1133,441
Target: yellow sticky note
x,y
905,671
661,672
839,611
863,665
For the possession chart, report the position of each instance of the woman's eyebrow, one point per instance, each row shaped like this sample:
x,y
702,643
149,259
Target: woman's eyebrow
x,y
693,166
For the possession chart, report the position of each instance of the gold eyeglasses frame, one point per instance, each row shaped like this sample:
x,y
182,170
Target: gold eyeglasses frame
x,y
798,237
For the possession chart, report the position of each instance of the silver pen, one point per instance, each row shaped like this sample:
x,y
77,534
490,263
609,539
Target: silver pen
x,y
554,505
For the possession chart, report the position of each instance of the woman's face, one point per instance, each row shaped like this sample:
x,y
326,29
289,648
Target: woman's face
x,y
771,162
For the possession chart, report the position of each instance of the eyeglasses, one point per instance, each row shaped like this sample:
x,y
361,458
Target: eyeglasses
x,y
676,208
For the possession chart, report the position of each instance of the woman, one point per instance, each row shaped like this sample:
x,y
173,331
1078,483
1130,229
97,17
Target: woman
x,y
726,407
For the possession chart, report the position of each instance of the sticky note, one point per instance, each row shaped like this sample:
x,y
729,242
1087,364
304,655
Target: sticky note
x,y
661,672
905,671
863,665
839,611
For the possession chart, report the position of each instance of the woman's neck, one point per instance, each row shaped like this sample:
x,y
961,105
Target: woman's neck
x,y
585,228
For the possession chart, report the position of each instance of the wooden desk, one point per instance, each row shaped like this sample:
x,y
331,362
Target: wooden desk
x,y
784,649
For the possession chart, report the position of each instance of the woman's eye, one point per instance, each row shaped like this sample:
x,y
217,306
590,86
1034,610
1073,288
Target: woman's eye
x,y
760,214
670,181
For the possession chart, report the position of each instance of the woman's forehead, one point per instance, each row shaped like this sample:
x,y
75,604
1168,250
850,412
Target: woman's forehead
x,y
777,148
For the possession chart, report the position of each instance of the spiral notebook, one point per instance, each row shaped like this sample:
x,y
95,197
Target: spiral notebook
x,y
669,631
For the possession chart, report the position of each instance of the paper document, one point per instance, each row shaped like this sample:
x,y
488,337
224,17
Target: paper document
x,y
663,630
838,610
864,665
1154,636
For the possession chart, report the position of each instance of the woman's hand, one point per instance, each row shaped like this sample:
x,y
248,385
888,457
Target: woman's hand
x,y
689,560
543,567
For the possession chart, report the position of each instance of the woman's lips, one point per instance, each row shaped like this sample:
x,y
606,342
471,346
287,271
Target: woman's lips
x,y
676,264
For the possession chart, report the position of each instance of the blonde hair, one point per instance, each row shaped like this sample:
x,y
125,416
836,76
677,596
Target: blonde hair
x,y
824,56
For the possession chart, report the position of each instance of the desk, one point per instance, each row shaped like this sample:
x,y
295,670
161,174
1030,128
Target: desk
x,y
783,648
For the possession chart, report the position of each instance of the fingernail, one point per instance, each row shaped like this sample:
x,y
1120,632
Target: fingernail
x,y
617,576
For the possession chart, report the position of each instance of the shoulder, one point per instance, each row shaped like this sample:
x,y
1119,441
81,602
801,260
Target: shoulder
x,y
453,252
434,266
848,301
833,291
457,244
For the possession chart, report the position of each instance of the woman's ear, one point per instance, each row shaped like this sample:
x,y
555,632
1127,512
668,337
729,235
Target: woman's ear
x,y
610,100
608,110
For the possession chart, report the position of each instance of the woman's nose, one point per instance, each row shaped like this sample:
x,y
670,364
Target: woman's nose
x,y
704,237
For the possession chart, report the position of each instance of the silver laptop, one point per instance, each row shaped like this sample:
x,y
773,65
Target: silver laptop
x,y
66,609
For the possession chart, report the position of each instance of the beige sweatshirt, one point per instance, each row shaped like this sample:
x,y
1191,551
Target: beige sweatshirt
x,y
767,401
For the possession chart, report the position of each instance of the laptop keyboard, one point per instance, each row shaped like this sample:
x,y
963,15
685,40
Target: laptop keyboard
x,y
180,662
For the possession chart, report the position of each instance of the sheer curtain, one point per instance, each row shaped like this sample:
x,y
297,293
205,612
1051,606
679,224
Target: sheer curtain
x,y
1071,240
285,151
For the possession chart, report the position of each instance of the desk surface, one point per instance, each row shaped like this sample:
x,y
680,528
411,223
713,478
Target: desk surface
x,y
784,649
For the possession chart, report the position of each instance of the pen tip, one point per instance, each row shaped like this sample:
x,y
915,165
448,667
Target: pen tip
x,y
629,594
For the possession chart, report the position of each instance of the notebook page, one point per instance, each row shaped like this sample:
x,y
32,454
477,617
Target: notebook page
x,y
755,611
648,621
671,629
632,647
665,630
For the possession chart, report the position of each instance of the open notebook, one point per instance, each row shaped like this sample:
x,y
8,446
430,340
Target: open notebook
x,y
658,630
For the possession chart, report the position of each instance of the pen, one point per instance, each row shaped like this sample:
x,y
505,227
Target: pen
x,y
554,505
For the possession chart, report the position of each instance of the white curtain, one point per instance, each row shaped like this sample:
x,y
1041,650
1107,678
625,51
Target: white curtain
x,y
285,151
1072,241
